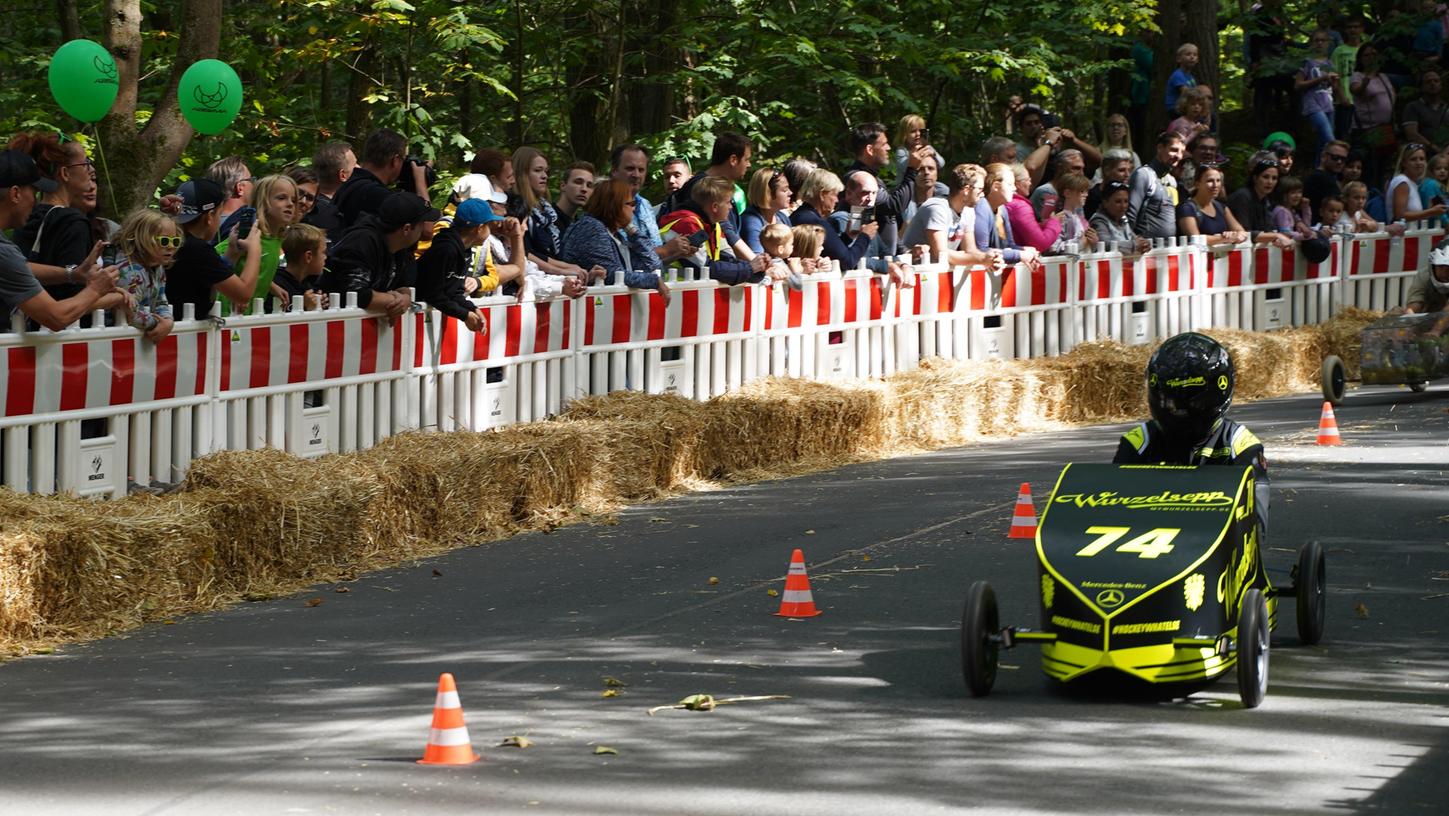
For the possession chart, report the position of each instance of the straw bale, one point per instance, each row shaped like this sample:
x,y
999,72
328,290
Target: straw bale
x,y
462,487
278,518
951,403
780,422
651,441
1101,381
82,568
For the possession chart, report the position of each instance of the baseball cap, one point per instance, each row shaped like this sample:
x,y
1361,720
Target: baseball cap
x,y
198,197
473,185
1278,139
473,212
400,209
19,170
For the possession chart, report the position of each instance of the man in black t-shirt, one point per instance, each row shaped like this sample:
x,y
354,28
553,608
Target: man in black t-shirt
x,y
198,273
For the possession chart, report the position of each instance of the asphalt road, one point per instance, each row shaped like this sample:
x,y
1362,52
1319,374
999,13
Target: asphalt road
x,y
282,707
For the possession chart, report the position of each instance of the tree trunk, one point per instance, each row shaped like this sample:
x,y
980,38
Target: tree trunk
x,y
1200,27
520,56
651,104
465,108
137,160
358,85
588,110
70,27
1169,19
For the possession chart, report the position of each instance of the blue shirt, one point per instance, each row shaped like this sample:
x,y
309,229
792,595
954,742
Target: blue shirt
x,y
1180,79
645,223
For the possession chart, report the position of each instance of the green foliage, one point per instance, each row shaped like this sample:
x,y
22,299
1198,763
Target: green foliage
x,y
566,76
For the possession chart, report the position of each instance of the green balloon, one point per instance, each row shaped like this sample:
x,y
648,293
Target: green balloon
x,y
83,80
210,93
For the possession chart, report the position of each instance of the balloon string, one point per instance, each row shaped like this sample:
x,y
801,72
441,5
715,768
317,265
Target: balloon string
x,y
106,170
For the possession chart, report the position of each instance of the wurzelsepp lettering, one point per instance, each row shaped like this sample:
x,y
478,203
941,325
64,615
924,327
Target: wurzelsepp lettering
x,y
1166,500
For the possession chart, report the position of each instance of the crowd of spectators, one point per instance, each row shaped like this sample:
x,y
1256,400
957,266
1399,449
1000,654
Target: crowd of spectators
x,y
359,219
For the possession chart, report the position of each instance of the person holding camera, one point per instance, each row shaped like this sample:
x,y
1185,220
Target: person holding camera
x,y
872,152
198,275
384,160
20,182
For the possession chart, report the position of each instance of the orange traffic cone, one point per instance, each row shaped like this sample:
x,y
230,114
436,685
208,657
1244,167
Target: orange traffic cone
x,y
1328,427
797,602
1023,519
448,742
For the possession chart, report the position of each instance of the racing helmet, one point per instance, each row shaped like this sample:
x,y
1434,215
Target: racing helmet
x,y
1189,385
1437,258
1440,255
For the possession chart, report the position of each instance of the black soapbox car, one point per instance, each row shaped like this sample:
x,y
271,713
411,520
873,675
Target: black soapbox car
x,y
1152,571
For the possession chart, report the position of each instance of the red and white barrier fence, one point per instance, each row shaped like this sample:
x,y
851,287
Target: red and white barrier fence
x,y
89,410
517,369
699,344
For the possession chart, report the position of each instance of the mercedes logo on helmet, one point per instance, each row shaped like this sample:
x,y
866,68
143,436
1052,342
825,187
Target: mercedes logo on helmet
x,y
1109,597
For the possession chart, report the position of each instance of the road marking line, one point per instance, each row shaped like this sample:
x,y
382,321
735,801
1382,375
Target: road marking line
x,y
715,601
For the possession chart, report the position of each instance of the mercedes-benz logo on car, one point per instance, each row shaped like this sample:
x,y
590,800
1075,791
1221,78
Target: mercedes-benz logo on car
x,y
1109,597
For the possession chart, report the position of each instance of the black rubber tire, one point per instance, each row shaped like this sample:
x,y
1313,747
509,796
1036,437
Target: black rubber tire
x,y
980,621
1333,379
1310,585
1418,388
1253,649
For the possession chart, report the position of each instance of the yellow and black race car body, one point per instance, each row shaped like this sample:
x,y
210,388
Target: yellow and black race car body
x,y
1142,569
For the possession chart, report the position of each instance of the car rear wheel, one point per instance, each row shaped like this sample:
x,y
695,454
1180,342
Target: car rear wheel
x,y
980,644
1253,649
1310,584
1332,377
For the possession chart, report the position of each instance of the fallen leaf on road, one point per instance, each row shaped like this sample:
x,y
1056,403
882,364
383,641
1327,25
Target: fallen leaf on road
x,y
437,573
314,601
610,693
705,702
773,593
809,532
342,589
658,520
516,742
614,682
604,749
1361,610
713,580
865,558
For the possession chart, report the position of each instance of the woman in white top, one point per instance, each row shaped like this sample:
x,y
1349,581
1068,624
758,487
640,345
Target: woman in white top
x,y
1403,192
